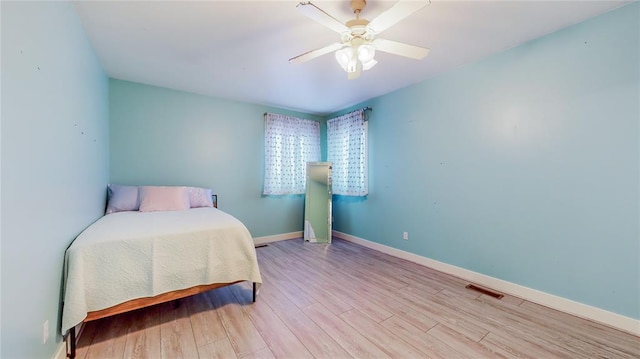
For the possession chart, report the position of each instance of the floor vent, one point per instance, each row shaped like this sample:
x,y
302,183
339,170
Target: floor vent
x,y
262,245
485,291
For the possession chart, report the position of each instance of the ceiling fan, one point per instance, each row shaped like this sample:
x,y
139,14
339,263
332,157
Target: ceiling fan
x,y
356,50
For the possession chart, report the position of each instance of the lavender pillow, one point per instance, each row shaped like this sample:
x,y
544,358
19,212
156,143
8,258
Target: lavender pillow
x,y
122,198
200,197
163,198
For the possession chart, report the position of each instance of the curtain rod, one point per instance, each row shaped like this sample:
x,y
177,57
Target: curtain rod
x,y
365,109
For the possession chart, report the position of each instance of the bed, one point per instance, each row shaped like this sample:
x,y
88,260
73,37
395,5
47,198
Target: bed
x,y
132,259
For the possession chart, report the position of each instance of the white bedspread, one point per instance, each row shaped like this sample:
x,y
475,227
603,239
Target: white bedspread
x,y
129,255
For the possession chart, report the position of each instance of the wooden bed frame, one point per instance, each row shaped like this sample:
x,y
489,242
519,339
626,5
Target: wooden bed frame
x,y
143,303
140,303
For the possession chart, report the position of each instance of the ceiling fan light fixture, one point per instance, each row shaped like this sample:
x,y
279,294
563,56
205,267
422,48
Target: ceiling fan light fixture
x,y
353,64
366,53
344,57
350,57
369,64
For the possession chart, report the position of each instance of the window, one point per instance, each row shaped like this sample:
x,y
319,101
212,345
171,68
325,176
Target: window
x,y
347,150
289,143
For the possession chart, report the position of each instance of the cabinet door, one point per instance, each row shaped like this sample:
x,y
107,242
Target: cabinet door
x,y
317,205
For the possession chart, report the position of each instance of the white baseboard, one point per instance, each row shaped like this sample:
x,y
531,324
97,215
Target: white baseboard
x,y
61,353
277,237
578,309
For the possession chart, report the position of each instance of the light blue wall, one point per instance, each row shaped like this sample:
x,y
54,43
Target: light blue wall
x,y
523,166
54,163
165,137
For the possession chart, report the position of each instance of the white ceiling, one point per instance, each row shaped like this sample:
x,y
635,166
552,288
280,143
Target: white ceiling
x,y
239,49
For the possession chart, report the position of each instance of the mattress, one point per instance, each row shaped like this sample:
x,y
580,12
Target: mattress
x,y
131,255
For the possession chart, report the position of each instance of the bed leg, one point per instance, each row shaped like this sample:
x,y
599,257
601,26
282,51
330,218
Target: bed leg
x,y
71,340
254,292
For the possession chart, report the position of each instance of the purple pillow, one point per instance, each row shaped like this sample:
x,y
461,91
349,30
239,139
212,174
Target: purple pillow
x,y
200,197
122,198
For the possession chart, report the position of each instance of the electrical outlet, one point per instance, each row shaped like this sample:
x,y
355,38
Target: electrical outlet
x,y
405,236
45,332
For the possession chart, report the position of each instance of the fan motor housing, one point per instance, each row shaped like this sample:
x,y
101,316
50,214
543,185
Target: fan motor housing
x,y
358,5
357,22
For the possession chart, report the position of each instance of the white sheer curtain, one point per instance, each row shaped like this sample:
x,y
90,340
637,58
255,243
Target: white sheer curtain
x,y
289,143
347,150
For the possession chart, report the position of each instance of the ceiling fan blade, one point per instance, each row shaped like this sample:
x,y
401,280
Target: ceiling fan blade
x,y
315,53
315,13
397,12
402,49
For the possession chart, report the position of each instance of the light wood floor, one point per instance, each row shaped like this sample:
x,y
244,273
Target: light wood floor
x,y
343,301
